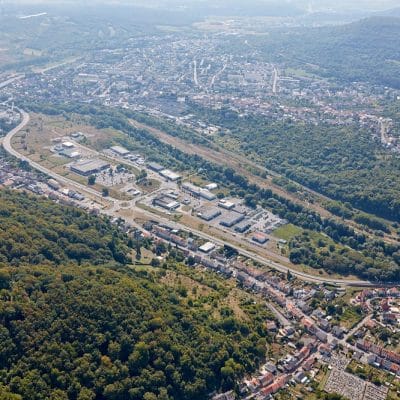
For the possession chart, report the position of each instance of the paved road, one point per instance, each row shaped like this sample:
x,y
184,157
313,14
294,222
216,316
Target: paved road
x,y
116,203
195,77
11,80
217,75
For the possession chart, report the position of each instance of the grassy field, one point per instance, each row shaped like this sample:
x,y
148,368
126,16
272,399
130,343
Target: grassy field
x,y
300,73
322,377
287,232
151,185
350,317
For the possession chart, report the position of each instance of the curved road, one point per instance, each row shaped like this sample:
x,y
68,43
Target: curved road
x,y
7,146
301,275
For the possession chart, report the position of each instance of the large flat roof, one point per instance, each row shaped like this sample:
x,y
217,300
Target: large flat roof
x,y
246,223
90,165
231,219
171,175
120,150
155,166
191,188
210,213
207,247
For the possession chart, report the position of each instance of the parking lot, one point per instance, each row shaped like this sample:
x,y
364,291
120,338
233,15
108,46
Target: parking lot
x,y
115,177
230,214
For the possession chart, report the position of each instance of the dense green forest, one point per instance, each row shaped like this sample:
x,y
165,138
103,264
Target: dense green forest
x,y
70,330
37,231
367,50
96,333
5,127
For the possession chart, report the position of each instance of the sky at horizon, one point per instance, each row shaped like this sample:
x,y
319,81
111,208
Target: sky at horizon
x,y
223,7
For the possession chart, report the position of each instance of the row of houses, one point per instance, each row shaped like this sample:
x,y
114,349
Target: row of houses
x,y
272,280
379,292
214,261
379,362
311,328
293,362
170,236
378,350
278,384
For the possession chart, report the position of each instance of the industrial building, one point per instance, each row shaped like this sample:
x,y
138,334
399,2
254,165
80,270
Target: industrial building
x,y
77,135
69,153
155,167
192,189
243,226
207,247
198,192
207,195
89,167
227,205
68,145
120,151
211,186
172,195
166,203
209,214
170,175
231,219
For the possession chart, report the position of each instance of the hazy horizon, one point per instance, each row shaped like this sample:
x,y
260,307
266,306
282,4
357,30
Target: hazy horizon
x,y
320,4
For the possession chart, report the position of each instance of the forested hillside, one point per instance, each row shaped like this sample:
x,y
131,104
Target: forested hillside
x,y
368,50
37,231
71,331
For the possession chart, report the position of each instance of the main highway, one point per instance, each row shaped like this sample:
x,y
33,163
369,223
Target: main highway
x,y
116,206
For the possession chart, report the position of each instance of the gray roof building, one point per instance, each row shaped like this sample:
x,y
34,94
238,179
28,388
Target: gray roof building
x,y
89,167
231,219
209,213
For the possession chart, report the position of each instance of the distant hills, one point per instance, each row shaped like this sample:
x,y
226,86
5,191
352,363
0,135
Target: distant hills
x,y
394,12
367,50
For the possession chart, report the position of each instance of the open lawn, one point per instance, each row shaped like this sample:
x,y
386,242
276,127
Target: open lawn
x,y
350,317
287,232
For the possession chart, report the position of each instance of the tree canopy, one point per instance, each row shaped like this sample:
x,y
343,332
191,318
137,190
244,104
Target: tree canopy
x,y
79,324
35,230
